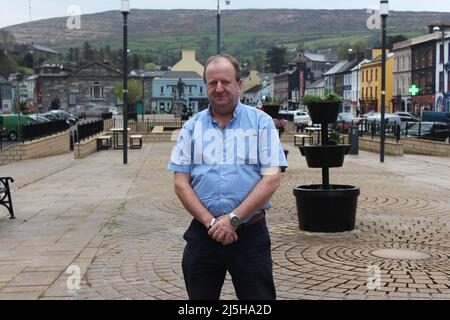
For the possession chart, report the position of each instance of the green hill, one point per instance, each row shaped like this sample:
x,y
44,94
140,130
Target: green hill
x,y
244,32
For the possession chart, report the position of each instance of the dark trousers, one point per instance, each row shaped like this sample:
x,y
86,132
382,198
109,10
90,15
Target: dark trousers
x,y
249,262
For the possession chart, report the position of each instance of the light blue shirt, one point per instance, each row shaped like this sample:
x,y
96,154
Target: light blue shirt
x,y
225,165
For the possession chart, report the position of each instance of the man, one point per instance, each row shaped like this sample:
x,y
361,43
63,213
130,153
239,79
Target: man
x,y
227,166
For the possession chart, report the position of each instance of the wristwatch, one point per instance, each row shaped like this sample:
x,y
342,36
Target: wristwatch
x,y
235,220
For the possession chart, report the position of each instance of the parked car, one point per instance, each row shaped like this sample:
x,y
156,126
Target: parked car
x,y
436,116
114,111
50,116
408,117
390,118
39,118
430,130
11,125
64,115
302,119
346,120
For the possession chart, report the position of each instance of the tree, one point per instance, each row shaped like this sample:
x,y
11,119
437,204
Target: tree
x,y
88,52
358,46
70,55
134,91
136,61
150,67
28,60
258,61
76,54
6,39
275,59
391,40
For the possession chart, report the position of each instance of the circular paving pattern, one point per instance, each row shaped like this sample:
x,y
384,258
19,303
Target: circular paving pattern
x,y
400,248
400,254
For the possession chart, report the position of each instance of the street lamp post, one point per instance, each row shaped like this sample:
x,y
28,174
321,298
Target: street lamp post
x,y
384,12
142,95
227,2
125,12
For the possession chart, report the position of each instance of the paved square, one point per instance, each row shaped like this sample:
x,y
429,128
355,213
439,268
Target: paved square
x,y
122,227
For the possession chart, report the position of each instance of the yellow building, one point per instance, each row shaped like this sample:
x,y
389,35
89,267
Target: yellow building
x,y
188,62
251,81
370,83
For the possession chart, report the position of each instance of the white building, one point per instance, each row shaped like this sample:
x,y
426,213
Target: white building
x,y
355,94
442,73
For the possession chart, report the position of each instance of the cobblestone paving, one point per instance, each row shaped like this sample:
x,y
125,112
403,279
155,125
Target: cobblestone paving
x,y
136,253
141,255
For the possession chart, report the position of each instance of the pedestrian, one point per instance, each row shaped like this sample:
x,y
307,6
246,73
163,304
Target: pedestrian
x,y
280,124
226,166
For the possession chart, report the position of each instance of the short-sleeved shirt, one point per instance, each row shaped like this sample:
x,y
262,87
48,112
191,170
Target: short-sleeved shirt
x,y
225,165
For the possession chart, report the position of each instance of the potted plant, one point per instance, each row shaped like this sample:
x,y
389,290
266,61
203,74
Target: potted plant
x,y
325,207
323,109
272,108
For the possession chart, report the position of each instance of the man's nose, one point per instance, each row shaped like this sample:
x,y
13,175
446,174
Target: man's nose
x,y
219,86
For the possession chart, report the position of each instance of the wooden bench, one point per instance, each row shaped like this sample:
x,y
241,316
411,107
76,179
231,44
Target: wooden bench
x,y
303,137
158,129
5,195
136,141
104,142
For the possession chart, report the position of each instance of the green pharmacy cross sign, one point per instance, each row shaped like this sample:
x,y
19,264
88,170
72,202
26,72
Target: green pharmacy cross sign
x,y
414,90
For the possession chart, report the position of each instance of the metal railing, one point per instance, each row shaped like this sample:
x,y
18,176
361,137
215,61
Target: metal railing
x,y
89,129
394,130
40,130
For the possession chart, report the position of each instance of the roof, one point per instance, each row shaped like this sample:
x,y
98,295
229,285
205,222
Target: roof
x,y
43,49
302,58
378,59
317,84
147,74
355,68
336,68
99,63
266,75
321,57
181,75
253,89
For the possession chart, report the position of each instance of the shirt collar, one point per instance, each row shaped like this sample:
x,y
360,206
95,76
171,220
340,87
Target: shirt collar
x,y
236,113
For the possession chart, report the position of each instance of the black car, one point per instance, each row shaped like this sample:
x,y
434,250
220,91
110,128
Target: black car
x,y
430,130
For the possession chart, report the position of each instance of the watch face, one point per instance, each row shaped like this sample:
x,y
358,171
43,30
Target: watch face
x,y
235,221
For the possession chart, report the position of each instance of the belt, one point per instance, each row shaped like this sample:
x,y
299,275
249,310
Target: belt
x,y
253,220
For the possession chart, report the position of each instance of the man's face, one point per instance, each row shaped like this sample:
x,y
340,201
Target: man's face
x,y
222,88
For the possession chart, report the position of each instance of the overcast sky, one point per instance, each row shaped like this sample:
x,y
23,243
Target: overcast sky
x,y
17,11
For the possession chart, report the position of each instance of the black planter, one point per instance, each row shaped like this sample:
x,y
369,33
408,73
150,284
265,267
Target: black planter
x,y
324,112
332,210
328,156
272,110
